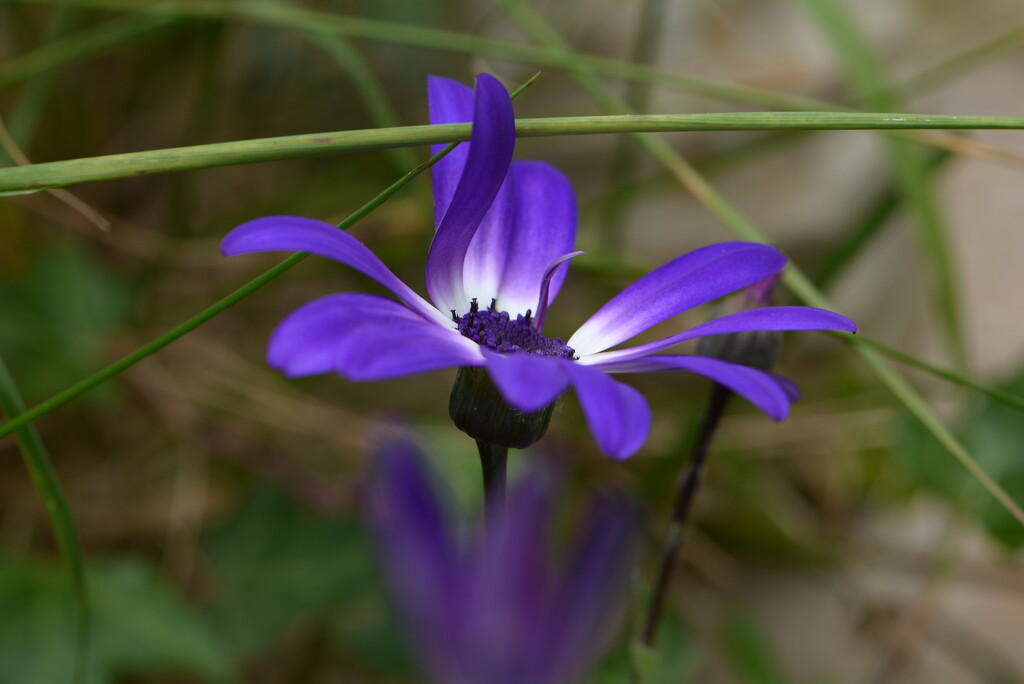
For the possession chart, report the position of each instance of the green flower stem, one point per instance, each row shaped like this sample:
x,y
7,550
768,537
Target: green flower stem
x,y
493,460
46,484
794,278
35,177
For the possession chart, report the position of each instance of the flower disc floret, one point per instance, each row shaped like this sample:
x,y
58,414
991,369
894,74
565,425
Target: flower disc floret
x,y
498,331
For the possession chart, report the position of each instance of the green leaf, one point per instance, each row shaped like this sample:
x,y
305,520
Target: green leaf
x,y
140,625
994,433
278,565
57,319
749,654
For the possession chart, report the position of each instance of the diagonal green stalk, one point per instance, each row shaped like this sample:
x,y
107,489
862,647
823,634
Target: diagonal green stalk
x,y
25,417
995,393
868,78
43,176
45,480
535,26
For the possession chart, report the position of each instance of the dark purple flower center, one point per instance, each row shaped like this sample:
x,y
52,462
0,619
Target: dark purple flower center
x,y
496,330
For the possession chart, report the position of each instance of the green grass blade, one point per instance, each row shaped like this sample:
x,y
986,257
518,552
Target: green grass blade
x,y
868,77
535,26
995,393
48,488
47,175
867,226
86,44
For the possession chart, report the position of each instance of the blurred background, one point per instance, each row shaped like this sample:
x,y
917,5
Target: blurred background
x,y
218,503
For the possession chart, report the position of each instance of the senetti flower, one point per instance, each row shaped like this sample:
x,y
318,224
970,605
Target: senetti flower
x,y
496,606
505,232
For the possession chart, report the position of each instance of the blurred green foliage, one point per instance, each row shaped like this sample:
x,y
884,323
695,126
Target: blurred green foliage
x,y
139,625
58,317
995,434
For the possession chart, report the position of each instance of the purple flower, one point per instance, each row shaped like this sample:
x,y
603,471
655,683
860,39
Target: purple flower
x,y
505,231
499,607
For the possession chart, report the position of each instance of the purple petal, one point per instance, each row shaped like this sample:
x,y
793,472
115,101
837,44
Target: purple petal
x,y
417,549
298,234
499,627
365,337
450,102
489,249
760,388
788,387
544,209
385,349
767,318
593,585
687,281
617,415
490,153
527,381
306,342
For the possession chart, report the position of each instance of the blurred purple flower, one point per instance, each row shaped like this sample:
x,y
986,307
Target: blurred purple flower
x,y
498,608
505,231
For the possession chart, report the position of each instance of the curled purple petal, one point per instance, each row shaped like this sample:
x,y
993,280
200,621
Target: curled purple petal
x,y
298,234
617,414
528,382
683,283
450,102
766,318
545,296
760,388
487,162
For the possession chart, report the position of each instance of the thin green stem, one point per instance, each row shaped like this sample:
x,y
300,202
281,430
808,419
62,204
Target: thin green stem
x,y
48,487
493,466
995,393
35,177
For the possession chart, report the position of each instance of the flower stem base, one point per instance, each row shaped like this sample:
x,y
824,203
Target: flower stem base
x,y
478,409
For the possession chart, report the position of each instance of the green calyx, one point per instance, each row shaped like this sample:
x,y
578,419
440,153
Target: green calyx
x,y
478,409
